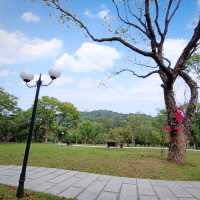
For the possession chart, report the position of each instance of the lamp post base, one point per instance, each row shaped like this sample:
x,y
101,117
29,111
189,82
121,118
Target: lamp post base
x,y
20,190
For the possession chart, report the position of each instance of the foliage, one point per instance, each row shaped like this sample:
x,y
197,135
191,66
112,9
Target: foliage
x,y
89,131
121,135
8,110
55,117
46,117
194,64
195,141
8,103
58,121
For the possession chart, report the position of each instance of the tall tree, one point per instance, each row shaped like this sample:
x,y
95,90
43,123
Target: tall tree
x,y
8,108
152,21
195,140
8,103
46,115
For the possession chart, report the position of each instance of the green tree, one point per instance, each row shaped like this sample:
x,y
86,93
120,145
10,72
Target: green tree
x,y
97,132
195,141
85,128
121,135
8,103
159,123
46,117
68,115
194,64
8,109
55,118
67,121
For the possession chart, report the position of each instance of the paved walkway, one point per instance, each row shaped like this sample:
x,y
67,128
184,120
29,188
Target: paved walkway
x,y
88,186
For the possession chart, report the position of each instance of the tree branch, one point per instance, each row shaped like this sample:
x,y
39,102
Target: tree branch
x,y
193,99
109,39
144,65
137,75
140,64
168,18
174,11
139,19
156,18
188,50
126,21
149,26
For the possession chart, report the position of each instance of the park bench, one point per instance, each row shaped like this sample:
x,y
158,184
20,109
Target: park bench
x,y
111,144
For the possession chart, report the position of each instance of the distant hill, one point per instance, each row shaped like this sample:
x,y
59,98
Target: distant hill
x,y
96,114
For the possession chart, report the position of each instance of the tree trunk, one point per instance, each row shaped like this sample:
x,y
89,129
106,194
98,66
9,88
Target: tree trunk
x,y
179,132
177,139
177,147
133,140
46,135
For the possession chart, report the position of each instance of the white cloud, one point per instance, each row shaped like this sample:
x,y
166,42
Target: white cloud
x,y
89,57
4,72
198,1
64,80
138,96
103,13
89,14
16,47
88,84
173,48
30,17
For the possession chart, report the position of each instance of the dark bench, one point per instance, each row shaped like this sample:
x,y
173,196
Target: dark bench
x,y
111,144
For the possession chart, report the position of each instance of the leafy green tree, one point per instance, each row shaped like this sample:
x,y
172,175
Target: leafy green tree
x,y
159,123
121,135
8,103
85,128
97,132
194,67
67,121
55,118
194,64
91,132
68,115
8,108
195,141
46,116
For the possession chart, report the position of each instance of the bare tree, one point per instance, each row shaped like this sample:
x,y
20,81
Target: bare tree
x,y
153,27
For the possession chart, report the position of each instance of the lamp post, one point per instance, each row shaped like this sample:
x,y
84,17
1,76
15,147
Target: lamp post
x,y
27,78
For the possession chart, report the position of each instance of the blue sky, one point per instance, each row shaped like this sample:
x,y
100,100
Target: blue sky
x,y
32,39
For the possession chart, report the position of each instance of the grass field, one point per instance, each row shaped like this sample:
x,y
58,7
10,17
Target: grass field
x,y
8,193
143,163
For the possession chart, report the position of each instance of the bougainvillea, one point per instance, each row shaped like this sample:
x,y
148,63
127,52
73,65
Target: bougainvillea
x,y
178,116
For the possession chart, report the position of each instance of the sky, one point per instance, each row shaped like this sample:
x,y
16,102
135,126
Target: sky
x,y
32,39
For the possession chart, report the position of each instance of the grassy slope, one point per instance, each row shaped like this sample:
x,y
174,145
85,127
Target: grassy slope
x,y
144,163
8,193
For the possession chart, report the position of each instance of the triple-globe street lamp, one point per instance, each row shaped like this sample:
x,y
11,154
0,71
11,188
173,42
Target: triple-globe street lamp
x,y
27,77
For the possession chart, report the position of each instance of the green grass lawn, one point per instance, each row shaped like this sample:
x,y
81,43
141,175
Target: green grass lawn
x,y
143,163
8,193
